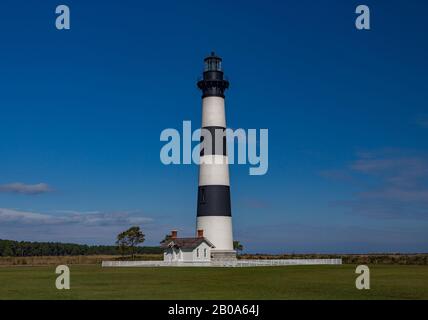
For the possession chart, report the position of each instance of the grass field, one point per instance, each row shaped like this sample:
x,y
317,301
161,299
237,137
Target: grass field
x,y
291,282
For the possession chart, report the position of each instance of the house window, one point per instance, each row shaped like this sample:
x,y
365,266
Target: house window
x,y
197,253
205,253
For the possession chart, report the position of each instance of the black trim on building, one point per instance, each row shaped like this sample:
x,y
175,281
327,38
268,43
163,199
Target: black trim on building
x,y
217,134
213,88
213,83
214,201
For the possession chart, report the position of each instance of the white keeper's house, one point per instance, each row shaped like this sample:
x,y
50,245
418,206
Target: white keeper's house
x,y
196,249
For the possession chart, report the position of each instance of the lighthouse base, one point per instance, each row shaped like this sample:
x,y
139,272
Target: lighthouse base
x,y
223,255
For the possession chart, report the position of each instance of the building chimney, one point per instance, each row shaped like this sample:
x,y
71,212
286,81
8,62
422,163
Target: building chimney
x,y
200,233
173,234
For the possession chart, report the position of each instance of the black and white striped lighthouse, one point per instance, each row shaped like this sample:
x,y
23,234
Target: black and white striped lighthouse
x,y
214,215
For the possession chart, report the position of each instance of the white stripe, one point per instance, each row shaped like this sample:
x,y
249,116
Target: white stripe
x,y
213,114
218,230
214,170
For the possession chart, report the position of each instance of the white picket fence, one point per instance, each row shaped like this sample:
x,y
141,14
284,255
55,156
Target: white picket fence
x,y
287,262
223,264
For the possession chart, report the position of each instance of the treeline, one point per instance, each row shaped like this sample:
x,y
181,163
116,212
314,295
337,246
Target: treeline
x,y
10,248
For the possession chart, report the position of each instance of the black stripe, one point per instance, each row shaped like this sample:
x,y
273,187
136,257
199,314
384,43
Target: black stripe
x,y
214,201
217,134
213,84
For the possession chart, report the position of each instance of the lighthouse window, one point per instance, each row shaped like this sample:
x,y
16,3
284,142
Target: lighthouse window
x,y
203,196
197,253
205,253
213,64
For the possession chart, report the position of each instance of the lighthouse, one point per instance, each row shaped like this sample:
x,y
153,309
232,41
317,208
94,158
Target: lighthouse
x,y
214,216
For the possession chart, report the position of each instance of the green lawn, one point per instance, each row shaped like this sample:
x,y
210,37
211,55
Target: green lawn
x,y
292,282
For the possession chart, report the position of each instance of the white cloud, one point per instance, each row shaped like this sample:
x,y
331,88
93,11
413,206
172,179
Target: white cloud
x,y
15,216
22,188
398,187
90,227
18,217
422,121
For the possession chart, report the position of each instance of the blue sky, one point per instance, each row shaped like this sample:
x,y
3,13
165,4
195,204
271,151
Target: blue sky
x,y
82,111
